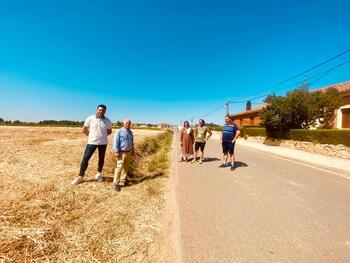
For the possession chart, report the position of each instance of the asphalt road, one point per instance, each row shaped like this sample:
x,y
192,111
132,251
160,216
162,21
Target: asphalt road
x,y
269,209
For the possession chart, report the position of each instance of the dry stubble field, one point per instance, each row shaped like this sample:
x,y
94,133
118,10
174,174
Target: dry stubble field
x,y
45,219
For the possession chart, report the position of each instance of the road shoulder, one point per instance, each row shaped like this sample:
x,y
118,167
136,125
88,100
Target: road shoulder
x,y
333,164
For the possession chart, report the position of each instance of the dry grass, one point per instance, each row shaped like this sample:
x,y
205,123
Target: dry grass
x,y
44,219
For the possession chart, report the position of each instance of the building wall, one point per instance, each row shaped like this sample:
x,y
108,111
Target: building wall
x,y
346,118
248,120
346,99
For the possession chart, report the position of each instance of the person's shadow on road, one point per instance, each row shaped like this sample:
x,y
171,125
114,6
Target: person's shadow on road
x,y
239,164
210,159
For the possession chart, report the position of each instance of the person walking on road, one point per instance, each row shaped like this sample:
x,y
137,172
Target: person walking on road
x,y
230,133
201,138
186,141
97,127
123,148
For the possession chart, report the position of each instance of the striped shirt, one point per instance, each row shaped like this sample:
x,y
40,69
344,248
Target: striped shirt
x,y
229,132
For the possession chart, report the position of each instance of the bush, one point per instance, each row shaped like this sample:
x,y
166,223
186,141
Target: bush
x,y
253,131
322,136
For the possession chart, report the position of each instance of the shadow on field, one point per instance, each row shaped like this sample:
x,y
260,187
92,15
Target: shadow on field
x,y
131,180
140,179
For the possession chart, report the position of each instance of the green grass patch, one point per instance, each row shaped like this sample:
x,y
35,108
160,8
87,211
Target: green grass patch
x,y
151,157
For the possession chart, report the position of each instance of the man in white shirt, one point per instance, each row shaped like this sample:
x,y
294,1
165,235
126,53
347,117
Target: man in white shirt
x,y
97,127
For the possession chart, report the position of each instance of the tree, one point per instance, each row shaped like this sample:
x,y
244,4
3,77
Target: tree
x,y
300,109
323,106
1,120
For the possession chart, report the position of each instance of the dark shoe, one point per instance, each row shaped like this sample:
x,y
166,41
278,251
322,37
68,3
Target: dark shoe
x,y
125,182
232,168
223,165
116,187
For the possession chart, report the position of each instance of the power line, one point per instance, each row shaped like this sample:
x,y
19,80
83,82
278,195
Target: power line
x,y
299,74
322,74
319,75
209,113
329,71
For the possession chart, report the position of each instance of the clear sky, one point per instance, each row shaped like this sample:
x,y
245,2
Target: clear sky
x,y
161,61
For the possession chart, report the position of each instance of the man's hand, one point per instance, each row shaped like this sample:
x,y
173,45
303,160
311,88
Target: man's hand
x,y
86,130
116,155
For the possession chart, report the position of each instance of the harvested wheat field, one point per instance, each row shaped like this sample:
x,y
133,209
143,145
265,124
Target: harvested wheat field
x,y
45,219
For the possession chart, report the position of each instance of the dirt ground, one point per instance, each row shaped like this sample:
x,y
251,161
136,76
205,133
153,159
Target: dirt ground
x,y
45,219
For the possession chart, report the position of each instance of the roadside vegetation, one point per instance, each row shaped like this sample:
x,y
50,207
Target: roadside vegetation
x,y
322,136
300,109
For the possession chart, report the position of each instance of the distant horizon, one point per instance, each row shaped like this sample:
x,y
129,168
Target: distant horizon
x,y
153,123
164,62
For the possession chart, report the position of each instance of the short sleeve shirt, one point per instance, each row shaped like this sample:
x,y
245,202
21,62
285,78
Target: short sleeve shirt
x,y
201,133
229,132
98,130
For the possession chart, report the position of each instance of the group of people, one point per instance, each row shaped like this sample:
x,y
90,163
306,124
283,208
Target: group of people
x,y
198,137
97,127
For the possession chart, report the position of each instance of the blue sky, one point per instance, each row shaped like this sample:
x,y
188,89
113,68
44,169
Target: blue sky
x,y
160,61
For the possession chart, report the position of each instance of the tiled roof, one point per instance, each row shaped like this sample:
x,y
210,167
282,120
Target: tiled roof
x,y
254,109
341,87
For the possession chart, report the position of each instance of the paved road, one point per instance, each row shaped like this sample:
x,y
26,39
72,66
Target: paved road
x,y
269,210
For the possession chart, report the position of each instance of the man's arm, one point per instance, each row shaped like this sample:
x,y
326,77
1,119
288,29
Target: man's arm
x,y
210,134
109,128
86,130
237,135
115,145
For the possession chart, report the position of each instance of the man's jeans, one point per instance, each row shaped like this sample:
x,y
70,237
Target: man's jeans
x,y
89,151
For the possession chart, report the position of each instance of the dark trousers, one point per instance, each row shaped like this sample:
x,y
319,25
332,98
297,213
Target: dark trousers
x,y
89,151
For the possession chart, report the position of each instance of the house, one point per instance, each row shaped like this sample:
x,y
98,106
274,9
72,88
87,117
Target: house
x,y
343,113
251,115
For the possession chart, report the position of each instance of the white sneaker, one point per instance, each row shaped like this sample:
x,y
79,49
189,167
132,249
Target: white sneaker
x,y
99,177
200,161
77,180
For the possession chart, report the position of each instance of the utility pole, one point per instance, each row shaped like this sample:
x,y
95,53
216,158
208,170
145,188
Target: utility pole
x,y
191,121
305,84
227,107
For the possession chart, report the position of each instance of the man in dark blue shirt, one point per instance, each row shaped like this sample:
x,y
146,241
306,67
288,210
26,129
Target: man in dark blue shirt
x,y
230,133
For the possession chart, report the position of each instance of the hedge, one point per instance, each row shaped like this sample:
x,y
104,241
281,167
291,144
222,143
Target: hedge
x,y
331,136
253,131
323,136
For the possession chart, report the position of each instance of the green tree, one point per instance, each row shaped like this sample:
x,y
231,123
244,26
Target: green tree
x,y
323,106
300,109
1,120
